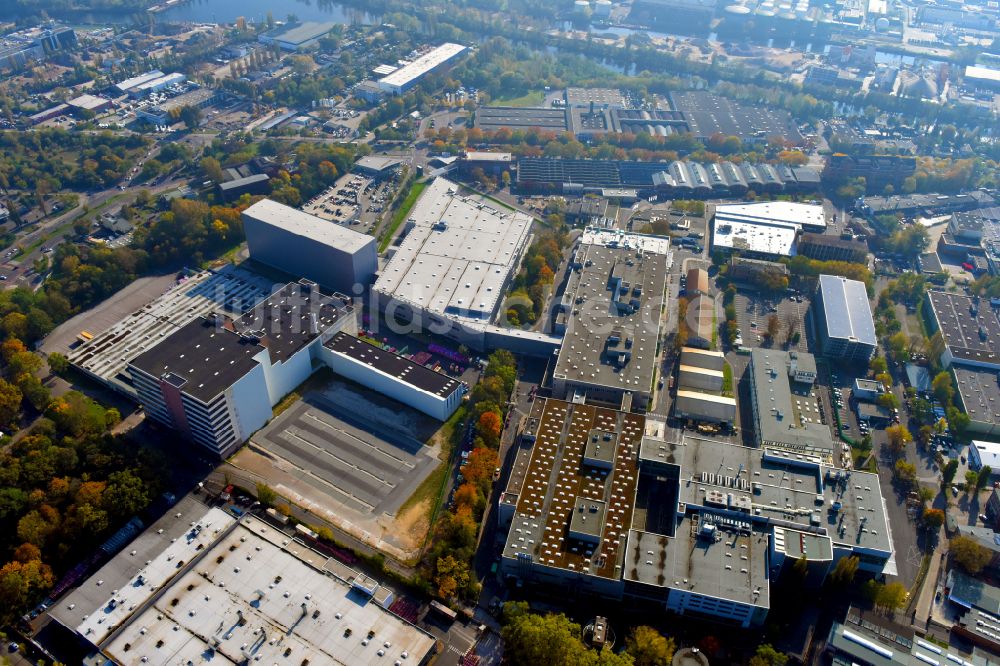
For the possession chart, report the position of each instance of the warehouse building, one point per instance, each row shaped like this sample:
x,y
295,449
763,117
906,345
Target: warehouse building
x,y
599,504
843,318
201,584
157,84
978,394
232,190
451,271
297,36
969,328
300,244
433,393
613,304
104,356
785,412
129,84
216,379
705,407
89,103
163,114
407,76
764,230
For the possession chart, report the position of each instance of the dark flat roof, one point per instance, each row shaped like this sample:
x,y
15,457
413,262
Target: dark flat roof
x,y
211,353
201,358
394,365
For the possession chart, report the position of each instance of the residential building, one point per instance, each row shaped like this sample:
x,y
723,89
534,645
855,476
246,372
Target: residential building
x,y
300,244
843,318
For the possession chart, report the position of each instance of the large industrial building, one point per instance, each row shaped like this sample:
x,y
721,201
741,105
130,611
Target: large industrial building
x,y
843,319
764,230
978,395
969,327
680,178
297,36
104,356
600,504
452,269
407,76
433,393
201,585
786,412
301,244
611,311
216,379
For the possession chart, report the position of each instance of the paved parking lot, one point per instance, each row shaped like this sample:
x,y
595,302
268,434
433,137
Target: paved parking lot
x,y
365,467
756,308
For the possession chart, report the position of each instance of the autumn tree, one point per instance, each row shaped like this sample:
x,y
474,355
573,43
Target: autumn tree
x,y
648,647
10,402
969,554
933,519
489,428
943,387
451,575
478,469
773,327
766,655
899,437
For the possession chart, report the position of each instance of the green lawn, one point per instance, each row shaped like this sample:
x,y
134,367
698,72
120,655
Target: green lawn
x,y
536,98
401,213
727,379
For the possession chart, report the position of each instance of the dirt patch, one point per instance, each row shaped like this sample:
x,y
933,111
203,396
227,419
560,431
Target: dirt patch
x,y
411,526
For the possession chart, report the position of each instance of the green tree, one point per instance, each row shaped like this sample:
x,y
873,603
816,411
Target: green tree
x,y
891,596
125,495
899,437
766,655
943,387
983,477
971,479
265,495
949,472
844,571
649,647
212,170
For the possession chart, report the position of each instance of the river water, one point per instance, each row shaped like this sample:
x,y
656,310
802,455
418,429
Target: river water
x,y
227,11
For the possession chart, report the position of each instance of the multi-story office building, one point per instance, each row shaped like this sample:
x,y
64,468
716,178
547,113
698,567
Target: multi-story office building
x,y
843,318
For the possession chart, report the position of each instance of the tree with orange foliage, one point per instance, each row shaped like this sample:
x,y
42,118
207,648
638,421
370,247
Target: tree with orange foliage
x,y
478,469
489,428
469,496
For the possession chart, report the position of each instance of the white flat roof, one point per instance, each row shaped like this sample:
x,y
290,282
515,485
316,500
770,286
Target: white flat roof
x,y
618,238
773,239
293,607
989,453
128,84
785,212
982,73
422,65
303,224
457,255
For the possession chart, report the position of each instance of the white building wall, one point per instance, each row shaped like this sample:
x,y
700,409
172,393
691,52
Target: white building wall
x,y
249,403
428,403
682,601
282,378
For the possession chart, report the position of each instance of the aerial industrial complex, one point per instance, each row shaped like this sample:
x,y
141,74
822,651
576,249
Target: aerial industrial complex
x,y
451,272
697,526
